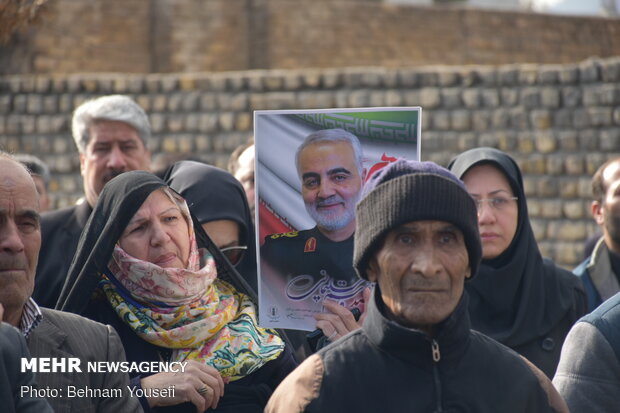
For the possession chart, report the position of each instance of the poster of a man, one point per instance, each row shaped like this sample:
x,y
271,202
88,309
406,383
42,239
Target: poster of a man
x,y
311,167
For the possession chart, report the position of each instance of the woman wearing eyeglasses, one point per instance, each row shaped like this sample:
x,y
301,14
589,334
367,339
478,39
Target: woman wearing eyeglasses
x,y
218,202
520,299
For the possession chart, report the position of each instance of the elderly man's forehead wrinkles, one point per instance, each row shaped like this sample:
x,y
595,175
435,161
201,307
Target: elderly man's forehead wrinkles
x,y
8,180
13,187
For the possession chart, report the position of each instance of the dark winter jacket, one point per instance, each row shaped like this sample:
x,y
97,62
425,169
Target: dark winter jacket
x,y
385,367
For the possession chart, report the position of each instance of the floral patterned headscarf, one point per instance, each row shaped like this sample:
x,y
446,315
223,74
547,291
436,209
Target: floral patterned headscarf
x,y
191,311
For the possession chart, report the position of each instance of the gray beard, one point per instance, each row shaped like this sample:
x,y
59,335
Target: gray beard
x,y
328,221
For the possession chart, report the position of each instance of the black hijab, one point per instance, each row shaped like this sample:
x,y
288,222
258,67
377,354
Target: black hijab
x,y
118,202
517,296
213,194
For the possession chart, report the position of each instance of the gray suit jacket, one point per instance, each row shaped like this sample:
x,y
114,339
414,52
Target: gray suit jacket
x,y
64,335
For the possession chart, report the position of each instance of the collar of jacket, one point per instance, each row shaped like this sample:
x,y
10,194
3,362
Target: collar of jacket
x,y
451,335
601,272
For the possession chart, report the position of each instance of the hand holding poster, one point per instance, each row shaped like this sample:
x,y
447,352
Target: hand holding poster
x,y
310,170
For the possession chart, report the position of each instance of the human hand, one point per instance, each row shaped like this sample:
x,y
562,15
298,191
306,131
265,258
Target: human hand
x,y
199,384
340,321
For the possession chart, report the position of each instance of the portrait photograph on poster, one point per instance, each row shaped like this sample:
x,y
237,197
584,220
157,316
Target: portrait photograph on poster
x,y
310,169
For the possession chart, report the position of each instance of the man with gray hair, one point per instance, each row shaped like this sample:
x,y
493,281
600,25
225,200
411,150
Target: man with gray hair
x,y
329,164
111,134
417,238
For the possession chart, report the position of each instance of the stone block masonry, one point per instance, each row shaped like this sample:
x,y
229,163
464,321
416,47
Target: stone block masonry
x,y
560,122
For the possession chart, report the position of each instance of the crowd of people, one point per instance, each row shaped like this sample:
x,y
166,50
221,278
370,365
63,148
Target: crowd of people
x,y
459,310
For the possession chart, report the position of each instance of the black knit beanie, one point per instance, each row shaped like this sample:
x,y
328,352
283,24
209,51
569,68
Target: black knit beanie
x,y
407,191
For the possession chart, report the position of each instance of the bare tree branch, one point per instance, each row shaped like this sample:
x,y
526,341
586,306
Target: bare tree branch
x,y
16,15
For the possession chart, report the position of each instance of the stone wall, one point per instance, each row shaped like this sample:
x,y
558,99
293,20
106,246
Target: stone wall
x,y
164,36
559,122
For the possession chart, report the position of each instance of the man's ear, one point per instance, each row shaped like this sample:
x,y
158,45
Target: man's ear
x,y
597,212
468,273
364,173
372,271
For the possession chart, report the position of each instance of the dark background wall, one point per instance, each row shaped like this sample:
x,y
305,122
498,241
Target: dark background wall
x,y
145,36
559,121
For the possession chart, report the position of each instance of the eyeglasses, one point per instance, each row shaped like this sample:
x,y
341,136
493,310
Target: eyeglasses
x,y
499,203
234,253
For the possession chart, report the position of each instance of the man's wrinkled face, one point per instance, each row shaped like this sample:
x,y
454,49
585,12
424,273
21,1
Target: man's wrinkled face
x,y
20,237
331,184
114,148
421,268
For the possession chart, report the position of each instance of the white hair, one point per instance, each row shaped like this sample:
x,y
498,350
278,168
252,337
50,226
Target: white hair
x,y
333,135
118,108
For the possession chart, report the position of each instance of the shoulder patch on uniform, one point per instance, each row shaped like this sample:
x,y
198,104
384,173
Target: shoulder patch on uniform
x,y
291,234
310,245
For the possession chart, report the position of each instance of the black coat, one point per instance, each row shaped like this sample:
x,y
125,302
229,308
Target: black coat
x,y
385,367
60,233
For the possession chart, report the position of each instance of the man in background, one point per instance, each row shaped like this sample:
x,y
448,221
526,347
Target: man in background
x,y
600,272
111,134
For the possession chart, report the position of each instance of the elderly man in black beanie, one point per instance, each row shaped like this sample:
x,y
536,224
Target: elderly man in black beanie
x,y
417,238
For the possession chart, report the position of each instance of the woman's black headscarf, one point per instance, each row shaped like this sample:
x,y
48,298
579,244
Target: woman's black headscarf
x,y
118,202
213,194
517,296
